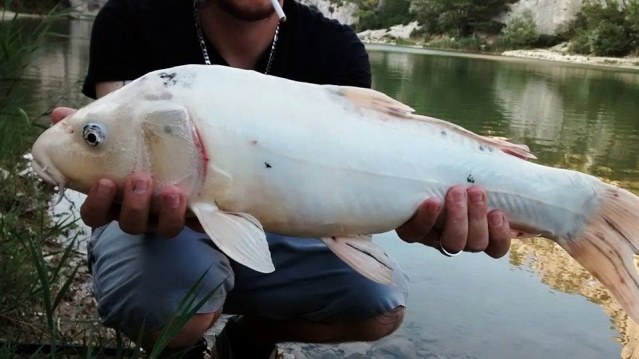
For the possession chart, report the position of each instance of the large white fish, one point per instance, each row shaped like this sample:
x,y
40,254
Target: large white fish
x,y
258,153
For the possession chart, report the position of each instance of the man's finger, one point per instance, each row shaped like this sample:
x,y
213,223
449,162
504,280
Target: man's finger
x,y
477,220
96,209
136,204
172,212
60,113
500,236
455,232
422,222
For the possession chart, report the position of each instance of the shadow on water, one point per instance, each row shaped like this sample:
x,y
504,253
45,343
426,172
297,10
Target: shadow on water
x,y
538,301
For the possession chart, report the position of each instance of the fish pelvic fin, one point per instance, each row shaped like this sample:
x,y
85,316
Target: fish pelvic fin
x,y
239,235
607,246
362,255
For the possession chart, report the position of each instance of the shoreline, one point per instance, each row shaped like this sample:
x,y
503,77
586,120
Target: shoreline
x,y
631,63
549,54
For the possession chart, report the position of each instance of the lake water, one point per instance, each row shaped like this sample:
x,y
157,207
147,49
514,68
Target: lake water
x,y
536,302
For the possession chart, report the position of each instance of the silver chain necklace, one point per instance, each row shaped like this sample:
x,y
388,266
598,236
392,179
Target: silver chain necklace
x,y
205,52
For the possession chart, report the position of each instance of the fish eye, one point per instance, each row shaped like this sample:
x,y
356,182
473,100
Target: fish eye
x,y
93,134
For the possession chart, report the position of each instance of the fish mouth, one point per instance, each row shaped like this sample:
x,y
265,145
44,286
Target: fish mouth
x,y
50,175
47,173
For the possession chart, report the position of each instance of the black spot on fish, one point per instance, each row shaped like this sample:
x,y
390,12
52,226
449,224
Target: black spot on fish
x,y
267,165
482,148
168,129
169,78
163,96
470,179
444,133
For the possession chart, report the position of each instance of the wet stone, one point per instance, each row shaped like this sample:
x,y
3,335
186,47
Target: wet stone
x,y
395,347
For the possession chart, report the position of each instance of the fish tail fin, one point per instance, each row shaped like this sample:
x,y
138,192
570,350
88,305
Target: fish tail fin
x,y
607,246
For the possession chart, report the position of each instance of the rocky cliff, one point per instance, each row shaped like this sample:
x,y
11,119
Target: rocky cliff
x,y
549,14
345,14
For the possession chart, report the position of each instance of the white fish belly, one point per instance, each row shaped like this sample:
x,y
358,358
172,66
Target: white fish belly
x,y
306,163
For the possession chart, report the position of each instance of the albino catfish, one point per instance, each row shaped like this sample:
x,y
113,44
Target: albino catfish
x,y
258,153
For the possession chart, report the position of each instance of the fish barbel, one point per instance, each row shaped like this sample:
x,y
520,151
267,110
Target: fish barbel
x,y
257,153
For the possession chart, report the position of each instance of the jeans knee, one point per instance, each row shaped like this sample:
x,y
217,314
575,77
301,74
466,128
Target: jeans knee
x,y
187,336
381,325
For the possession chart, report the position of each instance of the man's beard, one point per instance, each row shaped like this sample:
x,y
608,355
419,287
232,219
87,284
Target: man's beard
x,y
245,11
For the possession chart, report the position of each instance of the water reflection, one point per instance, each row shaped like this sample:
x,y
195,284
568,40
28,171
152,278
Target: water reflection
x,y
558,270
56,74
571,116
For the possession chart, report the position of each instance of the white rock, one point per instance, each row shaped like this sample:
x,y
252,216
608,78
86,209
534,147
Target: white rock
x,y
548,14
386,35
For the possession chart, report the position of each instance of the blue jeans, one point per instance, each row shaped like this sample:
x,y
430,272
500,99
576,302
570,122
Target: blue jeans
x,y
139,281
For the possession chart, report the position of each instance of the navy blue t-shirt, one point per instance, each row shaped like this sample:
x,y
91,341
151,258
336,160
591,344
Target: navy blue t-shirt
x,y
133,37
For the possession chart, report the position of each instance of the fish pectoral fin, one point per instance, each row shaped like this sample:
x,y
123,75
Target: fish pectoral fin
x,y
169,145
239,235
363,255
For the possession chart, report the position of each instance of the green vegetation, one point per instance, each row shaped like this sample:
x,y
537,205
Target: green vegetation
x,y
521,31
601,28
33,6
374,14
604,29
43,310
460,18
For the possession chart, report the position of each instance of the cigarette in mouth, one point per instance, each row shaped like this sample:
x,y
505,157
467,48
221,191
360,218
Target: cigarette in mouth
x,y
278,10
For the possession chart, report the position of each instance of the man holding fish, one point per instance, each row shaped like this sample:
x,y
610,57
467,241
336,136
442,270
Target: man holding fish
x,y
140,277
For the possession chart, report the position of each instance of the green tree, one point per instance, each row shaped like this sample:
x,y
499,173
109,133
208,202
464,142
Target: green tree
x,y
604,28
380,14
521,31
632,19
460,17
609,40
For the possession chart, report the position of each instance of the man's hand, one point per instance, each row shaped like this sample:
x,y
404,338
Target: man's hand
x,y
137,214
464,224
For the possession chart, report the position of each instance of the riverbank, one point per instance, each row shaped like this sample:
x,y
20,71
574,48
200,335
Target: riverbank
x,y
6,15
404,36
551,54
555,55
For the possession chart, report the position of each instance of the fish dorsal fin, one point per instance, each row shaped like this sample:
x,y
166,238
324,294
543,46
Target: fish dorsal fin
x,y
239,235
374,100
517,150
384,104
363,255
